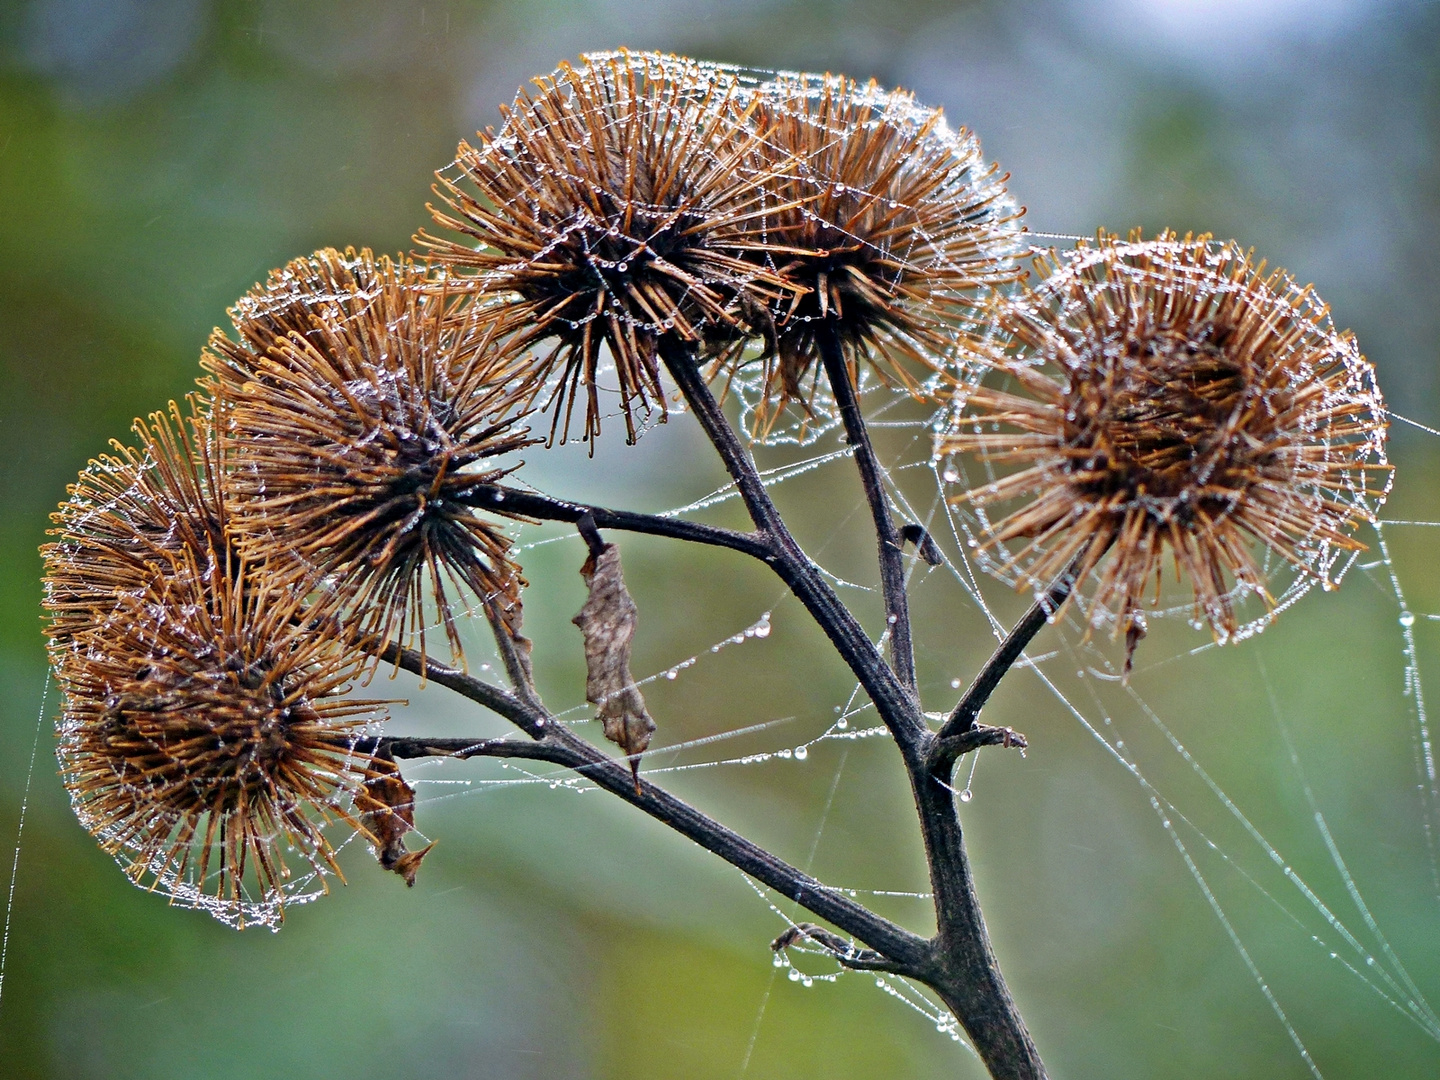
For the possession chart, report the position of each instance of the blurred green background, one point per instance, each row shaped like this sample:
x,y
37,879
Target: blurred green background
x,y
159,156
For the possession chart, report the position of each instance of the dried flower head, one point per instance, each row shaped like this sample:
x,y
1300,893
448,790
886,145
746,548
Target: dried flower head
x,y
886,225
1169,395
363,409
204,738
613,208
128,509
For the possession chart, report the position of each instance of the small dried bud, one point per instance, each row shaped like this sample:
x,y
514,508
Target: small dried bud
x,y
885,224
205,739
613,208
1168,395
363,413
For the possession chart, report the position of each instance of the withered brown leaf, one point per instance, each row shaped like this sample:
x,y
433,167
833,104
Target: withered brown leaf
x,y
387,812
608,621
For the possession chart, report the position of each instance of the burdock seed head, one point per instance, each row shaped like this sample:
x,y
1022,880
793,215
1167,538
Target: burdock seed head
x,y
887,227
127,510
612,209
363,410
1169,395
205,740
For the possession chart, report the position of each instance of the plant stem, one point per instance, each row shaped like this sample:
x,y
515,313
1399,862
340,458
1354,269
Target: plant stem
x,y
534,504
556,743
892,562
894,701
962,717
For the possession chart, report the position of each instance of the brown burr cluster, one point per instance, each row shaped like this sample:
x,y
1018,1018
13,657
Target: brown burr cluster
x,y
1169,396
362,409
203,735
885,228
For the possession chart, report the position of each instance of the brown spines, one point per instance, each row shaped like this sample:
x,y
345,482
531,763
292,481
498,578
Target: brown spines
x,y
127,510
363,407
612,208
1169,395
886,227
204,734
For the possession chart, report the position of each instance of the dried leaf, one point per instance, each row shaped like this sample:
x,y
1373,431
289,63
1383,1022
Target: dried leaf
x,y
387,813
608,622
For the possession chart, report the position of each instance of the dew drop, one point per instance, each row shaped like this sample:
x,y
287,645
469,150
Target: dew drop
x,y
950,476
801,753
807,982
794,975
671,674
842,723
966,795
954,684
1407,618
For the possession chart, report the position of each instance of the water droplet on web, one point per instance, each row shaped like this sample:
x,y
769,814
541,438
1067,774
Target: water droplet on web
x,y
1407,618
778,961
954,684
842,723
794,975
807,982
801,753
671,674
950,476
966,795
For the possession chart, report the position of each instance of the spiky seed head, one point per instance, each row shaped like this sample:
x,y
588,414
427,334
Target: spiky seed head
x,y
1169,395
144,502
206,741
362,410
612,208
887,226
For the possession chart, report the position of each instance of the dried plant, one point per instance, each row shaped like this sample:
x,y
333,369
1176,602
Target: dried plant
x,y
1170,396
886,226
362,408
213,592
612,209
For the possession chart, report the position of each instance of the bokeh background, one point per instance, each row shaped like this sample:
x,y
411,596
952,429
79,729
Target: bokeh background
x,y
159,156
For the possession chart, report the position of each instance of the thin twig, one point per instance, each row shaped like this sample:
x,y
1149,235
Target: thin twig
x,y
953,747
535,505
845,953
887,537
460,749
